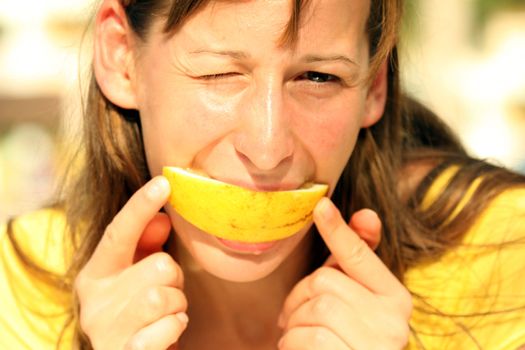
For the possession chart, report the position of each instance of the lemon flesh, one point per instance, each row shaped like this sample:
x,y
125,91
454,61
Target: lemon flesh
x,y
236,213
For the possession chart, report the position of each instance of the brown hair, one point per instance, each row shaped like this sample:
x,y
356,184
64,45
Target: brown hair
x,y
113,159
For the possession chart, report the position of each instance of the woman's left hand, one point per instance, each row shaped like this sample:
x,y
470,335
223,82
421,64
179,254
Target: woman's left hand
x,y
352,302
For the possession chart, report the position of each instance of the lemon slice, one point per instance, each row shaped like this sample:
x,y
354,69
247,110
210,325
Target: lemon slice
x,y
236,213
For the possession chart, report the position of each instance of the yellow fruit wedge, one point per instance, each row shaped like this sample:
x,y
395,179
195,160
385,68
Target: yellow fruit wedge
x,y
236,213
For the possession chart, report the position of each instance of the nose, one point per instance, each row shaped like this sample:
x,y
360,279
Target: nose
x,y
264,138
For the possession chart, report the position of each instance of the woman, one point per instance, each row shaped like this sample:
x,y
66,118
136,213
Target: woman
x,y
268,95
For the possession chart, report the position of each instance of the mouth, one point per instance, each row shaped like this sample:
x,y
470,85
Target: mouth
x,y
262,186
247,248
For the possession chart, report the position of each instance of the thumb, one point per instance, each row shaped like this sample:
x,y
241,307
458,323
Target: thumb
x,y
154,236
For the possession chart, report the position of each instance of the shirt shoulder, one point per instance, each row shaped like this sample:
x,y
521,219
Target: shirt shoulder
x,y
475,294
34,312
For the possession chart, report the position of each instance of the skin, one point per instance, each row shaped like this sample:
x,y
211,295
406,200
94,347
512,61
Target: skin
x,y
263,116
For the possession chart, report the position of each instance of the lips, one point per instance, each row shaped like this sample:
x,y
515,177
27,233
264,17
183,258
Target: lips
x,y
244,247
261,186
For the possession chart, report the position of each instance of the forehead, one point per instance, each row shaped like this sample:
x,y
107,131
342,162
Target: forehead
x,y
322,22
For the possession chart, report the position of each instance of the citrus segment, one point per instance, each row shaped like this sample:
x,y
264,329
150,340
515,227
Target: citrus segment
x,y
236,213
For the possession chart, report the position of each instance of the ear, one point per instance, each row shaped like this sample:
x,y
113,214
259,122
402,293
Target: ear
x,y
376,98
113,55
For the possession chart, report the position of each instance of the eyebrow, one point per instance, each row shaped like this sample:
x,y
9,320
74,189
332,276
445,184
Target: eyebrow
x,y
335,58
238,55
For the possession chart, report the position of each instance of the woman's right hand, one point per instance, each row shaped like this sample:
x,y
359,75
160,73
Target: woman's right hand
x,y
126,303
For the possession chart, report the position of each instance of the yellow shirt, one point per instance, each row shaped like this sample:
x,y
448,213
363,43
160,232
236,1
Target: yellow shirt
x,y
465,289
474,296
33,314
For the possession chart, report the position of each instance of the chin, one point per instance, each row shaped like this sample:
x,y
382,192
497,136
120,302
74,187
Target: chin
x,y
235,267
240,273
206,252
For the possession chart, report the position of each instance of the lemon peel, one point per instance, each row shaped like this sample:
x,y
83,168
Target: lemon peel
x,y
236,213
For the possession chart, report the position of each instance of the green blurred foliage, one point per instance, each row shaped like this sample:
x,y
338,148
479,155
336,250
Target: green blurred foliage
x,y
411,21
484,8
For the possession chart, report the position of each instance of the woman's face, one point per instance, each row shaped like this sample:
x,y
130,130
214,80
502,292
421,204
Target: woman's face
x,y
223,96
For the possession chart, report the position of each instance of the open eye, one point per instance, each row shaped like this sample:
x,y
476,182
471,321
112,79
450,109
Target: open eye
x,y
318,77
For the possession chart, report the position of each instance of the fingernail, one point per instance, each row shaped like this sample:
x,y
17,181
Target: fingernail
x,y
324,209
157,188
183,318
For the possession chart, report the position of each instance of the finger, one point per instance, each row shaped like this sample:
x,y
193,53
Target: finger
x,y
311,338
367,225
332,313
324,281
159,335
154,236
117,246
154,270
352,254
149,305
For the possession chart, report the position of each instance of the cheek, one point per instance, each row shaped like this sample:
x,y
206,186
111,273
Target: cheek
x,y
331,132
334,134
178,125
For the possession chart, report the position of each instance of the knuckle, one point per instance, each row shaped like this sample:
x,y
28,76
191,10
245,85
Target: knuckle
x,y
320,279
404,335
396,330
86,322
155,300
85,318
403,301
311,338
323,306
318,338
174,324
408,303
182,302
285,342
135,344
79,284
176,301
356,254
399,334
111,235
291,339
168,267
164,263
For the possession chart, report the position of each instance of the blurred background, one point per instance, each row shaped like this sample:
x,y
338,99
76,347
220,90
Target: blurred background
x,y
463,58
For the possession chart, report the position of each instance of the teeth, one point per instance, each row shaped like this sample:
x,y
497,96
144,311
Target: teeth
x,y
236,213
